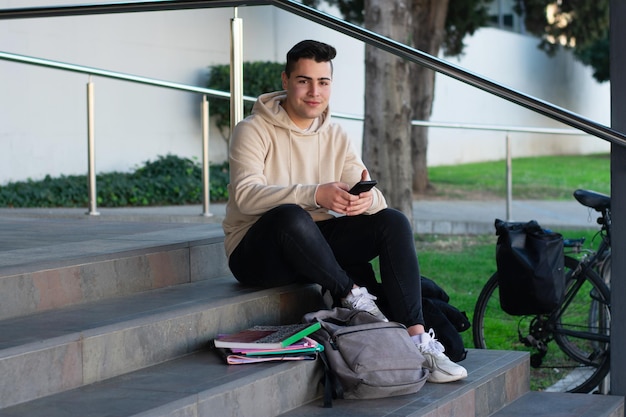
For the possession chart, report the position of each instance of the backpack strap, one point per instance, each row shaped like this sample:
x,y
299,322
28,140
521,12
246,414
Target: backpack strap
x,y
326,382
332,387
337,318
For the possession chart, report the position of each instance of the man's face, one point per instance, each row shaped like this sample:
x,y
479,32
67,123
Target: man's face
x,y
308,91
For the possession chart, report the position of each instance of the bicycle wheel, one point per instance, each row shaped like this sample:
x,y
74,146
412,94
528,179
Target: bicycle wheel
x,y
583,326
569,349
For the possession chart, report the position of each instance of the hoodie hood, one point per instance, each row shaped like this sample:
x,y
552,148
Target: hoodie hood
x,y
268,106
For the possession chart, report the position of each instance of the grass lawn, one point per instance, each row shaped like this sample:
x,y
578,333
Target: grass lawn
x,y
539,178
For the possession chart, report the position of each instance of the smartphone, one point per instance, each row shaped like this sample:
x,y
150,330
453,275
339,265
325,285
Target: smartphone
x,y
362,186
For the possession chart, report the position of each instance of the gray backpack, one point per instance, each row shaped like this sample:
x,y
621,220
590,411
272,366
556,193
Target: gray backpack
x,y
365,357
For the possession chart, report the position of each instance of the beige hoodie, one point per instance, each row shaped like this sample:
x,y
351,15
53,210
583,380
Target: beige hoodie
x,y
274,162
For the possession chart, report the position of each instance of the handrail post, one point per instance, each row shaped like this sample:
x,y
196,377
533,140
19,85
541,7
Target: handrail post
x,y
236,71
509,179
206,190
91,154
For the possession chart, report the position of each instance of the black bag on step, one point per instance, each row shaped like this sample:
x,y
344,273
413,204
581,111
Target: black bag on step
x,y
448,323
530,268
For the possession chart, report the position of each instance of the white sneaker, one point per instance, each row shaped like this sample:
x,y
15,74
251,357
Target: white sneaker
x,y
360,299
441,368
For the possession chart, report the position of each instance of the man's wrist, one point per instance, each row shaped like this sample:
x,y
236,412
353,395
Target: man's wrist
x,y
317,205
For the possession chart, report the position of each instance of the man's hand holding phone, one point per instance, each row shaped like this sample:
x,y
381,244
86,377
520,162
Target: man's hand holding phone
x,y
360,205
332,197
362,186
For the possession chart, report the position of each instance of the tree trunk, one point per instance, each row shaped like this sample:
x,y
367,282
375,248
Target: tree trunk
x,y
387,128
429,19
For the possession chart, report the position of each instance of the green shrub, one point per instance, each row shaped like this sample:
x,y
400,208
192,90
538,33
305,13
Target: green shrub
x,y
258,77
170,180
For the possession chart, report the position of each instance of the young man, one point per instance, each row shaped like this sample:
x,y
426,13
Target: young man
x,y
289,168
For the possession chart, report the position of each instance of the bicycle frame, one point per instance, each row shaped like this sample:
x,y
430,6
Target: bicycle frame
x,y
573,289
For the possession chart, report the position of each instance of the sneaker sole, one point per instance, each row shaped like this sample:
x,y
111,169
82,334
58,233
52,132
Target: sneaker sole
x,y
442,378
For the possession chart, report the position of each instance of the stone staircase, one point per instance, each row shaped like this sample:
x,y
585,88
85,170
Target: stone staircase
x,y
101,318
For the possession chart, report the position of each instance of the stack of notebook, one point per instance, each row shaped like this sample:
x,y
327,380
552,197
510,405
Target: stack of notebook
x,y
269,343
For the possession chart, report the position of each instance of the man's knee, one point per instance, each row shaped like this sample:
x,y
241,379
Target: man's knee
x,y
395,218
291,217
287,212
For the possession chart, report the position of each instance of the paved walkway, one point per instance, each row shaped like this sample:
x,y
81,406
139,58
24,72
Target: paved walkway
x,y
22,229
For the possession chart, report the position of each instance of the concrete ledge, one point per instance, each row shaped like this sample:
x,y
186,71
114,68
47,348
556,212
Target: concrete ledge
x,y
76,242
109,268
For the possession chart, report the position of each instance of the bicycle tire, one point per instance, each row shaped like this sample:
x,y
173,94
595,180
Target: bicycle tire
x,y
575,354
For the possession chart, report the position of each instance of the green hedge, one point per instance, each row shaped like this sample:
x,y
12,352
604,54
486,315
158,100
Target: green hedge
x,y
170,180
258,77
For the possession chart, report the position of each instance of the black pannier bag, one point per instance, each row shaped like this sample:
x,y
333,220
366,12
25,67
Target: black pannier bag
x,y
530,267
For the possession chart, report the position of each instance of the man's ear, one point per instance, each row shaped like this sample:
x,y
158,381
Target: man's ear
x,y
285,79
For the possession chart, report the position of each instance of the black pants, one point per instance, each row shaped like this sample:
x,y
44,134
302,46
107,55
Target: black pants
x,y
285,246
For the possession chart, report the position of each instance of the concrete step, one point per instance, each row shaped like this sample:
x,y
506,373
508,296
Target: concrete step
x,y
555,404
200,384
495,379
74,346
432,402
68,262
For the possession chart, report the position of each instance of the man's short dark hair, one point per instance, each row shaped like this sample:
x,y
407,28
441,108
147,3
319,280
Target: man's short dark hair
x,y
309,49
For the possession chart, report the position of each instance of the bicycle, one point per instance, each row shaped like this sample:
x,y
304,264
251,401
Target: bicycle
x,y
569,347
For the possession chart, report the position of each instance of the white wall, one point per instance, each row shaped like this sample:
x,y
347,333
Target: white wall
x,y
43,111
514,60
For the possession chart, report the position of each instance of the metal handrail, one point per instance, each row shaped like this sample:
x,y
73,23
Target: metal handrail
x,y
25,59
7,56
508,153
113,74
411,54
499,128
91,71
